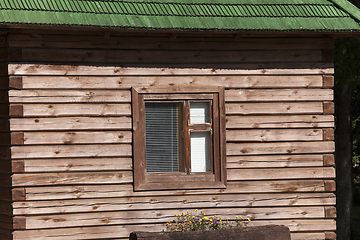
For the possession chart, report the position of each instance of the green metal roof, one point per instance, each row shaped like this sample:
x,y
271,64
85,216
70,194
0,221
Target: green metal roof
x,y
201,15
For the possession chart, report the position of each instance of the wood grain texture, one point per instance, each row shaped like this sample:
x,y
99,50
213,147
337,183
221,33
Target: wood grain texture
x,y
274,108
126,190
162,216
88,137
15,82
68,110
279,148
278,135
123,231
275,161
273,95
291,121
281,173
72,164
328,81
126,82
329,160
40,69
176,202
43,179
69,96
61,151
70,123
114,56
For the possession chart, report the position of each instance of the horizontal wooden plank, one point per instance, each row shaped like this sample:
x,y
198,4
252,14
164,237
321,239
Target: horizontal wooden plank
x,y
74,164
279,148
311,235
174,202
69,96
161,56
123,231
162,216
70,123
47,69
63,151
126,190
126,82
269,135
274,95
274,108
281,173
31,138
68,110
43,179
152,42
294,121
273,161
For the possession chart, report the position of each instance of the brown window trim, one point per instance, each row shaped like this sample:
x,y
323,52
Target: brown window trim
x,y
178,180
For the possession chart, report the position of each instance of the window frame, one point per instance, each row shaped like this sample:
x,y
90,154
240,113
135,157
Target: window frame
x,y
179,180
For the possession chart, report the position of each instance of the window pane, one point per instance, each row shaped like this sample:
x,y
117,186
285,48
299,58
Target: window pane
x,y
162,137
200,151
199,112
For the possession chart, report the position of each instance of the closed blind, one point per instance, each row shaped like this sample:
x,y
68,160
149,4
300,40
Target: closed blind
x,y
162,137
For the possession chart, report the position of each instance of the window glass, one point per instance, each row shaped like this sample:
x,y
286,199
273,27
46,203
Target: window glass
x,y
199,112
200,151
162,136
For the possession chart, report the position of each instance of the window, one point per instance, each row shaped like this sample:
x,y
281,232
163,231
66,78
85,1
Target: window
x,y
179,138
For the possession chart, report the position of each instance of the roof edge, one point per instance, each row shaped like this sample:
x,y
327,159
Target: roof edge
x,y
348,7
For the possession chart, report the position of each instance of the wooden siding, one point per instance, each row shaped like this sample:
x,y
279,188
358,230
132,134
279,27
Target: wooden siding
x,y
71,138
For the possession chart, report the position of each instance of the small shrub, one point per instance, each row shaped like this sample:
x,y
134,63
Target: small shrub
x,y
187,221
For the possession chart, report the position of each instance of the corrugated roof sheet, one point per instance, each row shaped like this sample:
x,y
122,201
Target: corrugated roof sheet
x,y
224,15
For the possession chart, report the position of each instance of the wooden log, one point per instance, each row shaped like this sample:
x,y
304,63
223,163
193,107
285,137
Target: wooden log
x,y
70,123
279,135
330,235
77,40
68,110
330,212
274,108
43,179
329,108
15,82
16,110
34,138
64,151
71,164
328,134
160,56
41,69
274,95
162,216
173,202
18,194
329,160
276,161
279,148
126,190
292,121
123,231
311,235
69,96
328,81
126,82
281,173
270,232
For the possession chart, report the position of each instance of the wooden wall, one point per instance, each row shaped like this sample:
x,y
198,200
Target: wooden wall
x,y
70,108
